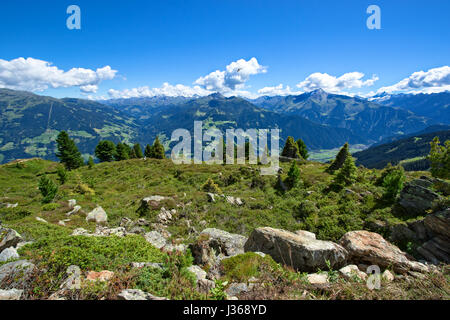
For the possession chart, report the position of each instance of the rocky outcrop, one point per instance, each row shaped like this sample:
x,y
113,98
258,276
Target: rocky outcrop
x,y
98,215
12,294
439,223
151,203
417,197
8,238
303,253
371,248
8,254
214,243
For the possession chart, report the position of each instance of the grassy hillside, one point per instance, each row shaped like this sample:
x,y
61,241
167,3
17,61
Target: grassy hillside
x,y
119,187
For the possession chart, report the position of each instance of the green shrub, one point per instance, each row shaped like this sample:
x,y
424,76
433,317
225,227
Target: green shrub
x,y
242,267
50,206
48,189
211,186
293,178
393,183
62,175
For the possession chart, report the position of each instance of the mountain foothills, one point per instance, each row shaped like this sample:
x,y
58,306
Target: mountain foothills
x,y
29,123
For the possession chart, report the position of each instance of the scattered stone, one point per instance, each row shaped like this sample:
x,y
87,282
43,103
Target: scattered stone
x,y
300,252
140,265
199,272
234,201
75,210
63,222
261,254
8,238
215,244
417,197
11,206
73,280
350,271
235,289
8,254
12,294
388,276
22,244
151,203
41,220
103,276
204,285
165,216
155,239
318,278
371,248
18,272
80,232
72,203
98,215
136,294
211,197
137,230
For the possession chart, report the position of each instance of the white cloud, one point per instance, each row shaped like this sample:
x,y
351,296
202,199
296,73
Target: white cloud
x,y
279,90
334,84
166,90
234,77
37,75
431,81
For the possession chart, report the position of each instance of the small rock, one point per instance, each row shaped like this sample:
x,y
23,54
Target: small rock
x,y
165,216
199,272
211,197
8,254
351,270
318,278
75,210
155,239
98,215
11,206
104,275
136,294
72,203
140,265
388,276
235,289
8,238
73,280
12,294
41,220
80,232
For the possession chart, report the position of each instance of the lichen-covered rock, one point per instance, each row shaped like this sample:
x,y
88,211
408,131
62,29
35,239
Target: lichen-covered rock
x,y
156,239
199,272
301,252
371,248
8,254
98,215
136,294
351,271
12,294
17,273
417,197
8,238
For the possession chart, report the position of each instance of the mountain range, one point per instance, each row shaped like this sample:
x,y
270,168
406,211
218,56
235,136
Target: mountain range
x,y
29,123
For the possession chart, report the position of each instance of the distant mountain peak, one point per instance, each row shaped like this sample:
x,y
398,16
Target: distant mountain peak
x,y
216,95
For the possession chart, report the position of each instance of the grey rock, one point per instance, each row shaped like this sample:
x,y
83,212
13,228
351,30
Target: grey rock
x,y
8,254
72,203
75,210
300,252
439,223
306,234
235,289
417,197
18,272
199,272
156,239
318,278
140,265
8,238
12,294
136,294
98,215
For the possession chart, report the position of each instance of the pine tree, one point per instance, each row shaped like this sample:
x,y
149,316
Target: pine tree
x,y
68,152
129,150
148,151
48,189
440,159
138,151
347,174
121,152
393,182
293,177
105,151
158,150
340,158
62,175
302,149
290,149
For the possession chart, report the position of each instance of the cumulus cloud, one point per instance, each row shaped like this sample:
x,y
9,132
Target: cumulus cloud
x,y
278,90
37,75
166,90
334,84
234,77
431,81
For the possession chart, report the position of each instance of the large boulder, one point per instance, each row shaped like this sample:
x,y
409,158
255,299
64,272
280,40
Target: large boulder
x,y
300,251
417,197
98,215
366,247
214,243
8,238
16,274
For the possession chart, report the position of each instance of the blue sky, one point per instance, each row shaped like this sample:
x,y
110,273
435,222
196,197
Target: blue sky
x,y
150,43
